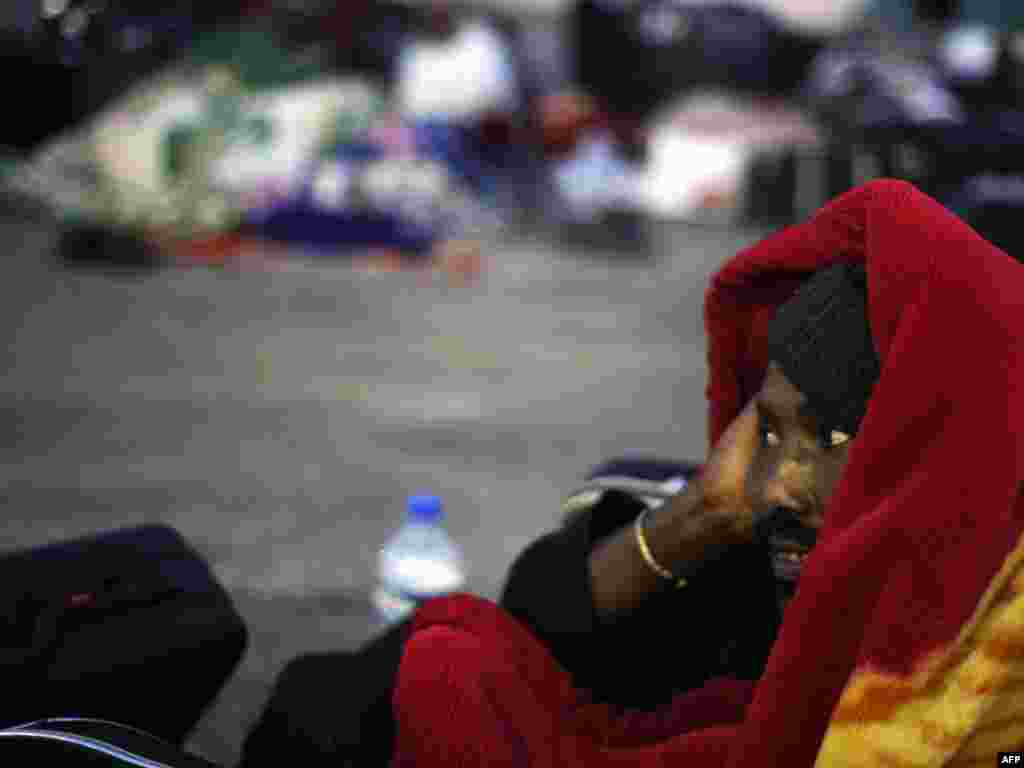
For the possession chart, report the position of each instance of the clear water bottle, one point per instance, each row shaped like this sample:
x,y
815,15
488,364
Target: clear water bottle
x,y
418,562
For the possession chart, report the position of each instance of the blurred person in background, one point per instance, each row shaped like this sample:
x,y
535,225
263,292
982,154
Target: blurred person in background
x,y
458,81
636,60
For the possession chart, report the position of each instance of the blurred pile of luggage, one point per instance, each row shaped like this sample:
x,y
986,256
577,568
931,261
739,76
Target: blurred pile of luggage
x,y
411,130
268,128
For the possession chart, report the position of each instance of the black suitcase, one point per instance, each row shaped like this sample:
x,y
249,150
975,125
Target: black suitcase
x,y
129,626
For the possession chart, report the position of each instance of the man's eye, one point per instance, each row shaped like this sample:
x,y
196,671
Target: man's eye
x,y
769,438
835,438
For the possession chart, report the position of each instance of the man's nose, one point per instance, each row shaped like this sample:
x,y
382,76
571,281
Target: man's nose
x,y
789,486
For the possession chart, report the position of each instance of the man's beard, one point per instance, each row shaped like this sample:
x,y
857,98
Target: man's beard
x,y
788,541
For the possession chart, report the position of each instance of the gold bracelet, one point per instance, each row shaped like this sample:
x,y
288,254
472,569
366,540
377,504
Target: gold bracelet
x,y
645,552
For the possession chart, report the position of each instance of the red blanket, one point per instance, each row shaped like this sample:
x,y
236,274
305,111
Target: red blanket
x,y
904,644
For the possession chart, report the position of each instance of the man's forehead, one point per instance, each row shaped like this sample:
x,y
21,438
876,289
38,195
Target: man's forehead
x,y
779,396
778,391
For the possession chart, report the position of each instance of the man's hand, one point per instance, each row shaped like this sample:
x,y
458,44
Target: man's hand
x,y
711,515
722,483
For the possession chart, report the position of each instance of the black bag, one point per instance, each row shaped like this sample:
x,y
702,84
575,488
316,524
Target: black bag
x,y
358,730
128,626
83,743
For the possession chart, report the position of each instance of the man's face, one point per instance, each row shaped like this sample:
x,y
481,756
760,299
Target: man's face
x,y
794,472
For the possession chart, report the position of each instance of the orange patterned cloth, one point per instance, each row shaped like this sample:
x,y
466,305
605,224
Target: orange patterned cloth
x,y
904,644
960,708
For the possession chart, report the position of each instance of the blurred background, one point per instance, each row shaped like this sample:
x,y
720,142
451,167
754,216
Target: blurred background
x,y
273,266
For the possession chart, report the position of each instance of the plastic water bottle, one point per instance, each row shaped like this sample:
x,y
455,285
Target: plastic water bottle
x,y
418,562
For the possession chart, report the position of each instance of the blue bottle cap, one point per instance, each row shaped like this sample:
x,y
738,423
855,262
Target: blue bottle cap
x,y
425,509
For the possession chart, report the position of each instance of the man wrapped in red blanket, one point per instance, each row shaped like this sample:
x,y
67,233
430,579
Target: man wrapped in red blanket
x,y
904,642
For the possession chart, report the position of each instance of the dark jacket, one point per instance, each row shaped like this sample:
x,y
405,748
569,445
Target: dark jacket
x,y
722,624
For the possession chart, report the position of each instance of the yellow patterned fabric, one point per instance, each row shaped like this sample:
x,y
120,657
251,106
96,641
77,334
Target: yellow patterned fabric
x,y
963,705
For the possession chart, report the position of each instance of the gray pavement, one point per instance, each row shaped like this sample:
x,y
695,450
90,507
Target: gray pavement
x,y
279,420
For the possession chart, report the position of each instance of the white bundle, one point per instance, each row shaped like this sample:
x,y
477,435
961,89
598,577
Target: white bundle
x,y
128,145
466,77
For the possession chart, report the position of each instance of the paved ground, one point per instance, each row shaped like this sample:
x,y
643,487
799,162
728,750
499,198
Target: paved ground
x,y
280,420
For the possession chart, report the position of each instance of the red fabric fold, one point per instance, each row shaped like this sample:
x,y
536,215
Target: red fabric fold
x,y
475,688
927,511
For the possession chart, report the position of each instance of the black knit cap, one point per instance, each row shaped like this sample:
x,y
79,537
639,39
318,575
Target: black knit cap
x,y
821,339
